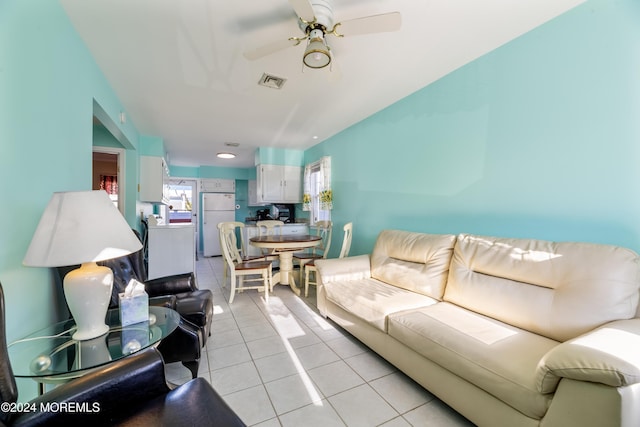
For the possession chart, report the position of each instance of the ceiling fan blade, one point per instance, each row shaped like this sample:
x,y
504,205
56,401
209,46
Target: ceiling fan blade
x,y
385,22
270,48
303,9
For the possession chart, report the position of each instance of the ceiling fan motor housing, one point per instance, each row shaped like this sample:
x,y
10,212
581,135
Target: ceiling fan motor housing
x,y
324,17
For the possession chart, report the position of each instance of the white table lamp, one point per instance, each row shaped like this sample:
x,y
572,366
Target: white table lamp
x,y
83,227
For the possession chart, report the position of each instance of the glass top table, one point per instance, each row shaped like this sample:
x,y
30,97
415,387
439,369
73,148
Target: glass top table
x,y
51,355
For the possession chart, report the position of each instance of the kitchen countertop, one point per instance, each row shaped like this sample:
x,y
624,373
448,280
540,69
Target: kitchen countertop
x,y
251,223
173,225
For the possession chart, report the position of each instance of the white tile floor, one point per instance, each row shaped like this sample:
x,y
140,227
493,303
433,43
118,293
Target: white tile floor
x,y
282,364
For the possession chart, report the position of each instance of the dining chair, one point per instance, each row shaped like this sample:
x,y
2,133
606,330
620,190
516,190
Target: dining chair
x,y
310,266
269,227
324,230
239,268
239,226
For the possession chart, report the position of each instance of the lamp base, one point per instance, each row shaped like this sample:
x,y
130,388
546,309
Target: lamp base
x,y
88,292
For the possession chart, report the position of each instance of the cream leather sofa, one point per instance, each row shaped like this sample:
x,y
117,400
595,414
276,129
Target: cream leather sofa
x,y
508,332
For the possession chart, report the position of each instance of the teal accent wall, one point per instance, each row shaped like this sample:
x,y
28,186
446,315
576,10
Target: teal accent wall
x,y
212,172
279,156
103,138
225,173
183,171
49,85
242,199
152,146
537,139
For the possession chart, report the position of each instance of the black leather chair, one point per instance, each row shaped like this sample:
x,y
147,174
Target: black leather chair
x,y
129,392
178,292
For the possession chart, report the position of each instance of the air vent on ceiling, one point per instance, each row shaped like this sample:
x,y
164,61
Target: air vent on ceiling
x,y
273,82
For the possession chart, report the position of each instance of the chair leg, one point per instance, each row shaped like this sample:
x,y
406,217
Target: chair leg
x,y
306,282
224,274
193,367
233,287
302,264
270,279
265,278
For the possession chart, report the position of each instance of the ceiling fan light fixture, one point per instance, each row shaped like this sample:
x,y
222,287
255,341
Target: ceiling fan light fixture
x,y
316,55
226,156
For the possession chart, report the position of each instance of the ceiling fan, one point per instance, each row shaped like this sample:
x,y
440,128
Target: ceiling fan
x,y
315,19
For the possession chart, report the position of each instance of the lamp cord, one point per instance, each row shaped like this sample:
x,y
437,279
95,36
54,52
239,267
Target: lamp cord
x,y
41,338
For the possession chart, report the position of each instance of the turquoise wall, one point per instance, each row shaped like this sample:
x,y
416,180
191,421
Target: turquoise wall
x,y
152,146
212,172
49,84
539,138
279,156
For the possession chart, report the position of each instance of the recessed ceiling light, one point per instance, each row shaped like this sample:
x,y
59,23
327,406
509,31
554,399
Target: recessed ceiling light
x,y
315,137
226,155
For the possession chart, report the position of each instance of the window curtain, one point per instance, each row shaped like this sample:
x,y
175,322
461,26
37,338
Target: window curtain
x,y
325,194
306,193
109,183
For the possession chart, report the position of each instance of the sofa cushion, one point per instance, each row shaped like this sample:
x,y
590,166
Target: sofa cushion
x,y
498,358
414,261
559,290
372,300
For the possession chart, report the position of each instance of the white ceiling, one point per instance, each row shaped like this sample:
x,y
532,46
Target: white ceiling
x,y
177,65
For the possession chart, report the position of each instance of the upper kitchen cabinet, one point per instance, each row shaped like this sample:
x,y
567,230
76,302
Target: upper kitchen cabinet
x,y
218,185
279,184
252,190
154,180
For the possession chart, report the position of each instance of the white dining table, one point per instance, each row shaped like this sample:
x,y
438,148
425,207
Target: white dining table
x,y
284,247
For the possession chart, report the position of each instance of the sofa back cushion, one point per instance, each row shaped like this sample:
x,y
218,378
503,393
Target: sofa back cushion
x,y
414,261
558,290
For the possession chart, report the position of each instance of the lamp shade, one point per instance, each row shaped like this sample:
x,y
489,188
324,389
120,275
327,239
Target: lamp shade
x,y
316,55
83,227
78,227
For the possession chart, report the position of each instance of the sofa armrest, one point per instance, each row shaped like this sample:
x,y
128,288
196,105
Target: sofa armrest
x,y
171,285
607,355
330,270
349,268
167,301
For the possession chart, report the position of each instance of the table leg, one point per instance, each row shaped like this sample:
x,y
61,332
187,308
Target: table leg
x,y
286,271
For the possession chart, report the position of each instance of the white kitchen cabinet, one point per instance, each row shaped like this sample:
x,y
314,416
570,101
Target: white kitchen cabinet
x,y
253,194
279,184
171,250
154,180
214,185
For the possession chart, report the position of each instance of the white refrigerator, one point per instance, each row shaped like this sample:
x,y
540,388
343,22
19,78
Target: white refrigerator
x,y
216,208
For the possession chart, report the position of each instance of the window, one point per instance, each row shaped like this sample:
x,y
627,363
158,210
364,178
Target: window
x,y
180,201
318,196
317,214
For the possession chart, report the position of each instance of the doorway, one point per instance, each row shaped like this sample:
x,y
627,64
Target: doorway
x,y
107,174
183,204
